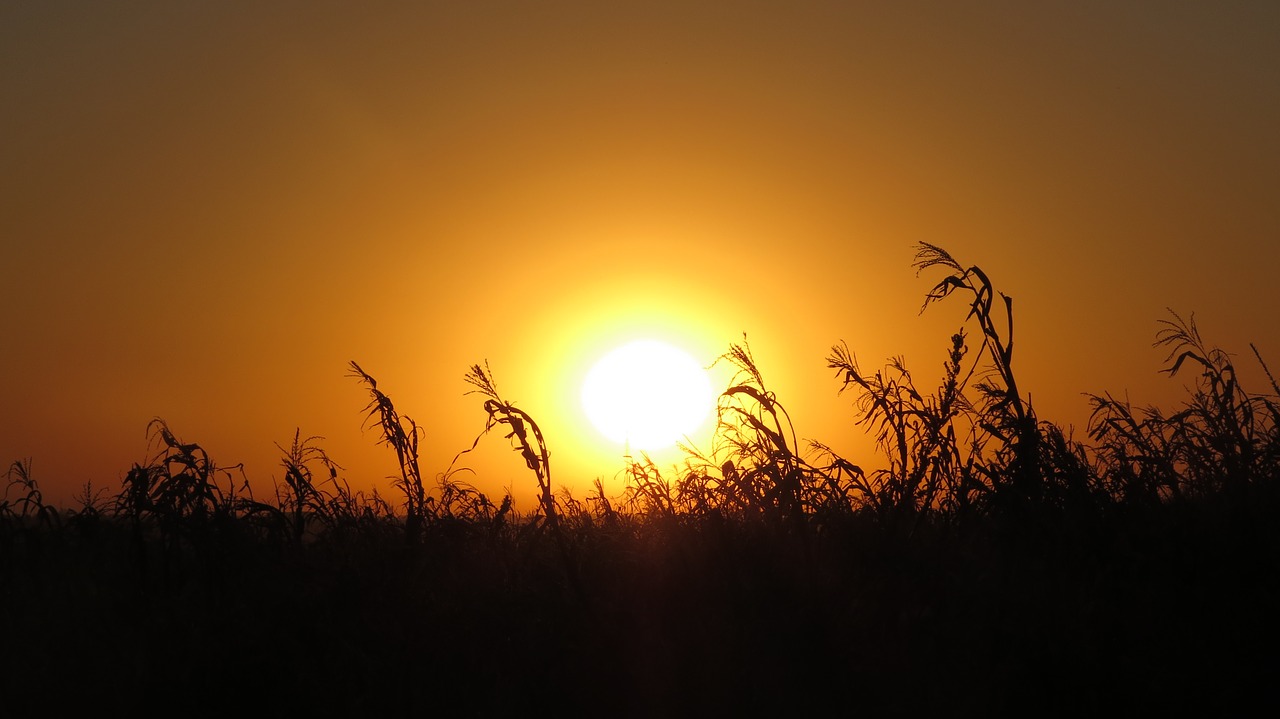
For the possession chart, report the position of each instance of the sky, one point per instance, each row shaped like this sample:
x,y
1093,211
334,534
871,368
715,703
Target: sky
x,y
208,209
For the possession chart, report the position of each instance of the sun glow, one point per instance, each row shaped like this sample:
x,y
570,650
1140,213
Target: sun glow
x,y
647,395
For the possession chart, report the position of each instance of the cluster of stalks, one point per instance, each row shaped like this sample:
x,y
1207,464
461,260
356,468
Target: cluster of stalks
x,y
972,446
1223,442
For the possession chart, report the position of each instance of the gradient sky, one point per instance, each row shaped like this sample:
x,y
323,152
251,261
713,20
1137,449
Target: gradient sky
x,y
208,208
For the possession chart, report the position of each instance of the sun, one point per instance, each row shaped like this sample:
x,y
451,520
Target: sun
x,y
647,395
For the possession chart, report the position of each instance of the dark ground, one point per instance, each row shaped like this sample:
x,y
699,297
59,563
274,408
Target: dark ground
x,y
1168,613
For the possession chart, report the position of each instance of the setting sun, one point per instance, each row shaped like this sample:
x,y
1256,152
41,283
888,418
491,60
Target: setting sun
x,y
647,395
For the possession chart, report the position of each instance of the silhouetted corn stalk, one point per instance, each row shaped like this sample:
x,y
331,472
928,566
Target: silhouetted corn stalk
x,y
647,491
950,453
401,434
604,507
1003,412
184,496
1269,422
754,469
524,434
526,437
928,469
460,500
303,500
1136,460
29,502
180,485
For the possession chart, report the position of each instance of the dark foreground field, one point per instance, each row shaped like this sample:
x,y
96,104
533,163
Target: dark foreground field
x,y
1169,611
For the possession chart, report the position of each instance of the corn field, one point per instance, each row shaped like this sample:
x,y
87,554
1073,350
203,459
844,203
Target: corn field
x,y
982,561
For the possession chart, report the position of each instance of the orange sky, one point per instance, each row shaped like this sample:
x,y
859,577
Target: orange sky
x,y
208,209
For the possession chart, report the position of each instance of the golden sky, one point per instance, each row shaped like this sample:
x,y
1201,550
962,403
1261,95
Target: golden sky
x,y
208,209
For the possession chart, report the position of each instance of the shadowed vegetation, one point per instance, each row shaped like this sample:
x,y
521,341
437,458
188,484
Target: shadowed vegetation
x,y
983,561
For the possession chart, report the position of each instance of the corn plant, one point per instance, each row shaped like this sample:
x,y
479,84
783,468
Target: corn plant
x,y
754,468
1002,413
400,433
304,500
183,496
649,493
29,501
526,438
180,485
953,452
1224,439
919,434
524,434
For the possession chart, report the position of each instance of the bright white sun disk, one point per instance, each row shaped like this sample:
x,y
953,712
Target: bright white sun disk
x,y
647,395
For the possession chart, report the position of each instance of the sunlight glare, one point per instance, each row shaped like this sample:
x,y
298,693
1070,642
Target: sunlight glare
x,y
647,395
